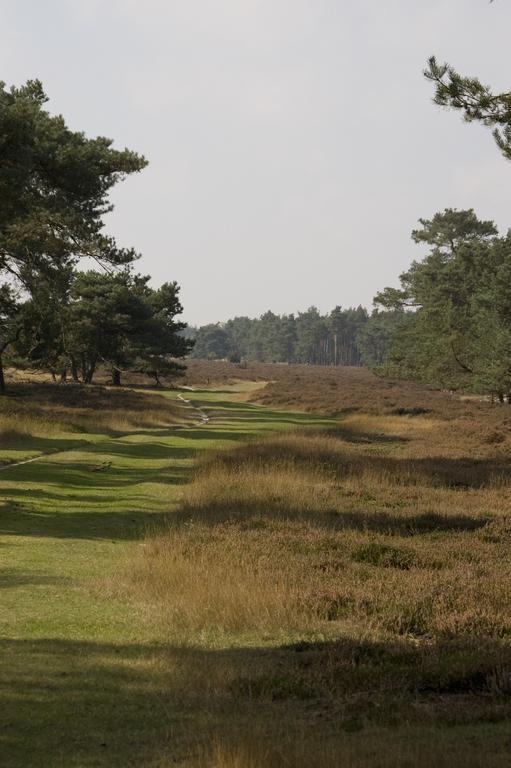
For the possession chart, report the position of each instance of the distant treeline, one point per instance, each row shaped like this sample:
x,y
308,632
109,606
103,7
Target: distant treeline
x,y
448,324
341,337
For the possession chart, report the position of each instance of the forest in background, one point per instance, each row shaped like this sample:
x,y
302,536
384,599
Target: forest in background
x,y
448,324
308,337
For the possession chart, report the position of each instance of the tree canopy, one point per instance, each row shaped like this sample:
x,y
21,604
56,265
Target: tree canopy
x,y
54,186
455,306
54,194
476,102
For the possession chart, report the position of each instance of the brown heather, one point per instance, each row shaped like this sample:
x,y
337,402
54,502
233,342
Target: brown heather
x,y
300,531
363,575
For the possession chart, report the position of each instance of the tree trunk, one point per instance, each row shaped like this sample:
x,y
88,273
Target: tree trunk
x,y
63,376
88,373
2,378
116,377
74,370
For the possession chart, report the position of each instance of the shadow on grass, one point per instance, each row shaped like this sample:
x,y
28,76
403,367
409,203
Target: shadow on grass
x,y
334,520
215,433
83,476
264,413
336,462
76,703
357,437
73,500
10,577
128,525
100,493
412,525
43,445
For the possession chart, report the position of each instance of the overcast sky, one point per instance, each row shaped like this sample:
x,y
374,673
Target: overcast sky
x,y
292,144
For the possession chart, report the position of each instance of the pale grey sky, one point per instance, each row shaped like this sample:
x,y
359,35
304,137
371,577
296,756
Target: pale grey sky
x,y
292,143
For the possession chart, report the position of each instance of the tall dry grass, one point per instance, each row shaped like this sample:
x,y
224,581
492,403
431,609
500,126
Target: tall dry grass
x,y
46,409
377,752
300,531
346,592
362,576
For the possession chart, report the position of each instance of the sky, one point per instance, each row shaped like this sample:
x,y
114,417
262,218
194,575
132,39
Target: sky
x,y
292,144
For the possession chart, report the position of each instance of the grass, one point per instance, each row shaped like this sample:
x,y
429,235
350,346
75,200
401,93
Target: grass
x,y
342,391
320,535
336,595
71,521
368,566
377,750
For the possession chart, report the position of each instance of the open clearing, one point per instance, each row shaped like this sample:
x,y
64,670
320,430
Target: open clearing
x,y
329,591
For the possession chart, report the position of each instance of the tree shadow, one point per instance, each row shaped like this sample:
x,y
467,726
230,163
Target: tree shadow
x,y
10,577
66,702
89,499
463,473
228,407
146,450
88,476
331,519
350,435
128,525
216,434
437,471
27,447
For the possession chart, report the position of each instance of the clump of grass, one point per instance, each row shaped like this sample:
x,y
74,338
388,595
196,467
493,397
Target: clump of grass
x,y
386,556
216,580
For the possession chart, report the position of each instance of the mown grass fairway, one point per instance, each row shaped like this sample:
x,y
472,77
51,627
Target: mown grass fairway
x,y
84,679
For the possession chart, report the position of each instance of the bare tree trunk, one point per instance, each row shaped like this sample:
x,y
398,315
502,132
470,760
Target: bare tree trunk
x,y
74,370
88,373
2,378
116,377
